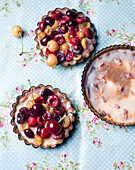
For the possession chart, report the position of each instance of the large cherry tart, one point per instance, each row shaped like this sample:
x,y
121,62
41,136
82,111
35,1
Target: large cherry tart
x,y
42,122
59,30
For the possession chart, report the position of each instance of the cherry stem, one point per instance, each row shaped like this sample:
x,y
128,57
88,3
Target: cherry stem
x,y
22,46
62,118
31,90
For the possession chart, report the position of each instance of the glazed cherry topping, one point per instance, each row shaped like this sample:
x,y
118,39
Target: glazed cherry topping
x,y
88,33
61,57
53,101
45,40
39,129
31,113
56,14
37,108
71,13
63,28
40,121
45,133
53,33
64,18
80,19
49,21
46,93
77,49
58,136
75,40
46,115
41,26
29,133
47,52
59,38
54,127
32,121
73,30
39,100
69,55
59,109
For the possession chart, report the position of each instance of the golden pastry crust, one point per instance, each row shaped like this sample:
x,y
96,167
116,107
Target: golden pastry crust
x,y
86,92
24,97
87,53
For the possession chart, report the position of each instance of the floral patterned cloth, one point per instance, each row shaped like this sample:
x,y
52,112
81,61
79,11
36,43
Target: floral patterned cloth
x,y
94,144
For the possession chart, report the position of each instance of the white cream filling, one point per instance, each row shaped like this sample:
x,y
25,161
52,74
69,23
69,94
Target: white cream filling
x,y
111,88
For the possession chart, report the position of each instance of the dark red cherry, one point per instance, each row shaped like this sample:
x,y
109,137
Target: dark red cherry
x,y
71,22
61,57
77,49
59,109
69,55
24,111
53,33
56,14
73,30
21,118
45,133
57,118
64,18
49,21
88,33
53,101
58,136
29,133
39,100
41,26
80,19
37,108
33,114
39,129
63,28
59,38
54,127
40,121
47,52
45,40
46,93
71,13
46,115
74,40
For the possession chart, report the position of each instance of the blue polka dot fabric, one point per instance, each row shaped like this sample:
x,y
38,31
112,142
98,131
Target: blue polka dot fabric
x,y
93,144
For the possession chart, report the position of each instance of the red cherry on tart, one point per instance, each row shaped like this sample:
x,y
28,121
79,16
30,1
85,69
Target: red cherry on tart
x,y
65,26
41,26
69,55
32,121
56,14
54,127
53,101
44,133
44,124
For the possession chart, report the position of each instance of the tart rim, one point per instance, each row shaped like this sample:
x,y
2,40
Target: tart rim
x,y
26,93
87,53
84,75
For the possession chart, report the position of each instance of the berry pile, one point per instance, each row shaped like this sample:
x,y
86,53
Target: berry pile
x,y
64,35
44,113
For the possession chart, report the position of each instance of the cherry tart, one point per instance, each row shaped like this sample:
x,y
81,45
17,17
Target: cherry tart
x,y
65,37
43,119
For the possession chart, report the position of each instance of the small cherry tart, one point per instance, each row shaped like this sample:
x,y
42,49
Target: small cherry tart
x,y
47,121
59,30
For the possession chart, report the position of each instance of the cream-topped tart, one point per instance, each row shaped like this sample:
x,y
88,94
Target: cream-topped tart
x,y
44,118
65,37
108,84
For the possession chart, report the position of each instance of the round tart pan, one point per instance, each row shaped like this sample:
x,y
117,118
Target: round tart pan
x,y
86,91
22,98
90,47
